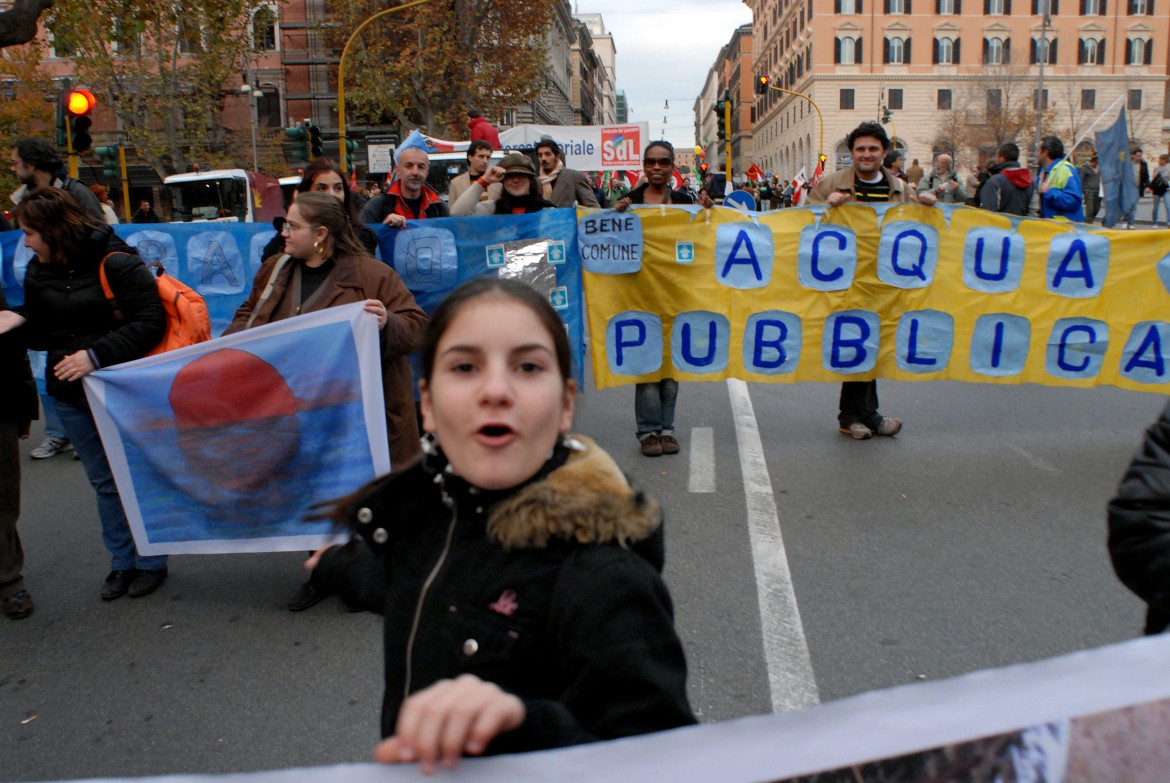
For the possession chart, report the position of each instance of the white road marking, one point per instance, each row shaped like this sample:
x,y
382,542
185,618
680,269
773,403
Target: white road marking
x,y
790,672
702,460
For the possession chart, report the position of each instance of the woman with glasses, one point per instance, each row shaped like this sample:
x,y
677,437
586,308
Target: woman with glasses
x,y
654,402
323,176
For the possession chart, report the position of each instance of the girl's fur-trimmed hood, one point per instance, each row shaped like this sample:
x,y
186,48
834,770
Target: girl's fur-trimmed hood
x,y
587,500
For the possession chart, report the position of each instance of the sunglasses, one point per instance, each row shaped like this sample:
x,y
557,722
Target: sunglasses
x,y
660,162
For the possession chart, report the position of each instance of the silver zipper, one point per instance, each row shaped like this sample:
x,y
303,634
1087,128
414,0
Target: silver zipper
x,y
423,595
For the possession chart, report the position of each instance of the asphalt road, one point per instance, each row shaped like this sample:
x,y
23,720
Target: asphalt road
x,y
973,539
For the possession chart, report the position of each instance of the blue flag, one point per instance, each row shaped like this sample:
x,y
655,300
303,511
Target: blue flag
x,y
1117,185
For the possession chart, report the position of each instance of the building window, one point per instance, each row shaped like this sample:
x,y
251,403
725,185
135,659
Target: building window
x,y
62,50
946,51
1045,7
897,51
190,37
1039,100
1135,100
1141,7
944,100
897,7
948,7
1138,51
1043,51
996,51
1092,52
1092,7
125,43
848,51
894,99
1089,100
847,7
997,7
994,99
847,99
264,29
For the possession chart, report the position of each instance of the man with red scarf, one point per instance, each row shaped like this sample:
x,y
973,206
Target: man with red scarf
x,y
409,197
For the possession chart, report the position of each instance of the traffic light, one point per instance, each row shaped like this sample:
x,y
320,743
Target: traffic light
x,y
300,137
62,129
316,144
78,105
762,83
821,159
887,115
703,169
720,122
109,157
350,148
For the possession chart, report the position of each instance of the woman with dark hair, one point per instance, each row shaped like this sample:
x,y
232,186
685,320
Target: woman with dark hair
x,y
521,193
66,313
324,176
654,402
327,267
517,570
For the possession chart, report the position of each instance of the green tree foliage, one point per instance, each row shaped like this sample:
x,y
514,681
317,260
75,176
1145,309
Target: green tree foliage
x,y
162,66
427,65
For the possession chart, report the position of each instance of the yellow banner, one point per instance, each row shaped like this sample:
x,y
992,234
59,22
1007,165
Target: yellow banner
x,y
855,292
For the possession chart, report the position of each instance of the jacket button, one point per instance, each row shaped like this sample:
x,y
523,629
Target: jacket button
x,y
470,647
381,536
364,515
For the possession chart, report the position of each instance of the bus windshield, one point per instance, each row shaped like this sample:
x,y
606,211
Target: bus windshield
x,y
209,199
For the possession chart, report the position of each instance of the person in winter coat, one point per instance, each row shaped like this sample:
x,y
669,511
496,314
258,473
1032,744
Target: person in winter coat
x,y
324,176
517,570
520,193
328,267
66,313
1060,185
18,408
1009,189
409,197
482,130
1139,525
942,183
1091,185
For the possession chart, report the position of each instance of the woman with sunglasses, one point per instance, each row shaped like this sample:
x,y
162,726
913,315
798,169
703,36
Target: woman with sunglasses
x,y
654,402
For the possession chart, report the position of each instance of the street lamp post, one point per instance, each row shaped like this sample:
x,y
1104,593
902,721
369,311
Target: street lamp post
x,y
820,117
253,93
1043,51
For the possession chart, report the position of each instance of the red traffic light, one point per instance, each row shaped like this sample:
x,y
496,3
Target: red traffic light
x,y
79,102
762,83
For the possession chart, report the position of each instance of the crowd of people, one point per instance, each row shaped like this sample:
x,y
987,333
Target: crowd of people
x,y
545,559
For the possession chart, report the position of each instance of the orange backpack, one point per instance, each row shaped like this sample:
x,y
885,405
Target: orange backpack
x,y
188,321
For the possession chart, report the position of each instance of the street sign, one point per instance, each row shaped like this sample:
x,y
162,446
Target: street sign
x,y
741,200
380,154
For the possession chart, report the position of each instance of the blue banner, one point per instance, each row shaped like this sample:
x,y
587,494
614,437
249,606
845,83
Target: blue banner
x,y
1117,184
220,260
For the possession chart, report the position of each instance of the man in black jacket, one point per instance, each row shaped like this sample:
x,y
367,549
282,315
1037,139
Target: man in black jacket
x,y
1010,187
408,197
18,407
36,165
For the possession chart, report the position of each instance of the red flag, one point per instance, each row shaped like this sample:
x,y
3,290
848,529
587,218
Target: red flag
x,y
755,173
679,182
818,173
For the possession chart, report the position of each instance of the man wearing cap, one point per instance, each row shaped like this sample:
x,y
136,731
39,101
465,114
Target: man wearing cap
x,y
409,196
479,159
520,191
563,187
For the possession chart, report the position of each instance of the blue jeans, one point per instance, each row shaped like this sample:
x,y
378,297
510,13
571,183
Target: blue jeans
x,y
1164,200
1132,213
53,428
654,406
82,430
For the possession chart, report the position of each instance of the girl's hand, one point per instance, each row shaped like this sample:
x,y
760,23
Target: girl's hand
x,y
74,367
451,718
378,309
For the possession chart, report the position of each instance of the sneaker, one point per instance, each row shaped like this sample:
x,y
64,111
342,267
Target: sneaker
x,y
651,445
858,431
1129,226
51,447
889,426
669,444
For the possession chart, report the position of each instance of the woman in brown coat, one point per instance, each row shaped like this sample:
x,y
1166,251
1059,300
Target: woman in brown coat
x,y
324,265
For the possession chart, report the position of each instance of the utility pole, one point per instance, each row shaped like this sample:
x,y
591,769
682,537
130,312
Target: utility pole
x,y
1043,51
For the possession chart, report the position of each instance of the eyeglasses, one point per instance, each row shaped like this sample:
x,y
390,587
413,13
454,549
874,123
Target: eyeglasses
x,y
290,226
660,162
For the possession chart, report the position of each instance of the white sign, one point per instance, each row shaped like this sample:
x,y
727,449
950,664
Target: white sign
x,y
587,147
380,158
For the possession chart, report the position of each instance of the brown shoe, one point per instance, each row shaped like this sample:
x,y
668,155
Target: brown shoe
x,y
18,605
651,445
669,444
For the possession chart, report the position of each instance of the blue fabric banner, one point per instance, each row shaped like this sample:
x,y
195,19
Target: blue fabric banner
x,y
1113,162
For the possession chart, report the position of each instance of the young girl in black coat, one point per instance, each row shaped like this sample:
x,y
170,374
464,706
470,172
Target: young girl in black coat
x,y
518,572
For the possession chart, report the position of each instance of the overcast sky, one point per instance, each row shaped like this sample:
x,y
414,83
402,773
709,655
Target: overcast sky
x,y
664,50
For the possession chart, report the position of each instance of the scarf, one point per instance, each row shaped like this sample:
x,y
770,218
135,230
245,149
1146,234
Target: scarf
x,y
547,181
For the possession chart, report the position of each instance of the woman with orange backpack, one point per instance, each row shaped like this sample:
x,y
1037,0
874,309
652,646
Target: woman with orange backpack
x,y
67,313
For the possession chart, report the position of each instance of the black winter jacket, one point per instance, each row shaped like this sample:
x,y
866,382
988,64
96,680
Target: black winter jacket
x,y
68,312
1009,189
551,591
1139,525
18,393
